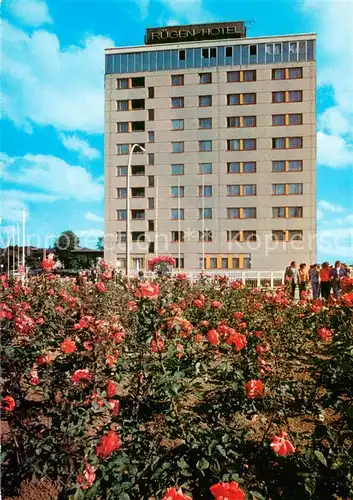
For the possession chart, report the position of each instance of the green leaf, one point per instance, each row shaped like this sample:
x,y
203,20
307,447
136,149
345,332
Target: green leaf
x,y
92,492
320,457
221,450
182,464
202,464
258,495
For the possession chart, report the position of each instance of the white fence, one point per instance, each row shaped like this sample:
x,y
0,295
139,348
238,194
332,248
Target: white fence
x,y
251,278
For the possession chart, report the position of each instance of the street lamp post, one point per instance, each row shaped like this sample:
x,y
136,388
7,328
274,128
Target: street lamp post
x,y
127,267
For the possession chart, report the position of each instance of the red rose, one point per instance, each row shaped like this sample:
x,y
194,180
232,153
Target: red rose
x,y
44,360
325,335
68,346
200,302
227,491
10,403
216,304
174,494
282,446
108,443
238,340
79,375
33,377
148,289
100,287
213,337
157,345
112,388
88,477
132,306
114,406
254,389
238,315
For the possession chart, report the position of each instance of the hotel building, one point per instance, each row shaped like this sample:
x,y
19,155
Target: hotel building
x,y
227,179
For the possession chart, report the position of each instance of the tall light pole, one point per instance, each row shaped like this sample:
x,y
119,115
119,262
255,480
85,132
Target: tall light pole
x,y
128,206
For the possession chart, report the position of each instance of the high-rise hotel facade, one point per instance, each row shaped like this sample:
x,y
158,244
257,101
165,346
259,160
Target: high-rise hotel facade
x,y
227,180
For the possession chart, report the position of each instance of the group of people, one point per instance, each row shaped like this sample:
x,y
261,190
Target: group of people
x,y
322,278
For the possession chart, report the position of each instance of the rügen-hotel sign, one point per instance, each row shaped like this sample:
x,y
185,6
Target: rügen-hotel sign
x,y
195,32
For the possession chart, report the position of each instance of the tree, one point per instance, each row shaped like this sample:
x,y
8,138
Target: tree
x,y
64,245
100,243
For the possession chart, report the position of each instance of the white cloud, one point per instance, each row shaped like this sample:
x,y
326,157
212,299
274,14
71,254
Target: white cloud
x,y
14,201
93,217
337,243
54,176
90,233
330,207
178,11
81,146
334,151
33,12
47,84
334,22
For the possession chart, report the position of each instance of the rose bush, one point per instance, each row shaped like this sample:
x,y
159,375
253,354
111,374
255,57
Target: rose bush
x,y
175,390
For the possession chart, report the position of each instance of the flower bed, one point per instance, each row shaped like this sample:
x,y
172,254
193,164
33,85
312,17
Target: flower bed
x,y
173,390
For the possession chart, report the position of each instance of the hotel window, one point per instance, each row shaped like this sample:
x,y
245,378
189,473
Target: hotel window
x,y
294,73
150,136
151,181
295,96
229,51
249,144
121,214
233,76
241,121
278,212
205,236
176,192
249,98
294,212
151,115
249,121
177,80
137,82
121,237
233,190
137,126
120,263
178,124
249,75
233,167
279,143
278,235
278,189
278,120
279,166
177,214
234,235
295,188
235,263
233,121
205,168
177,147
122,149
122,127
249,167
150,203
205,78
278,97
121,193
137,104
137,192
249,236
233,99
205,191
138,170
224,263
205,101
253,50
177,169
181,266
279,74
247,263
295,142
295,165
151,225
233,213
295,119
121,171
181,55
150,157
205,213
249,213
123,83
295,235
122,105
249,190
151,92
177,102
213,263
205,123
205,146
138,236
233,144
177,236
137,214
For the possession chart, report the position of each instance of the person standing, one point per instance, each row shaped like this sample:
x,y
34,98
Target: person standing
x,y
336,274
325,280
291,277
314,275
303,279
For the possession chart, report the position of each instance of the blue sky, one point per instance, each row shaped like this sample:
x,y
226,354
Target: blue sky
x,y
53,103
